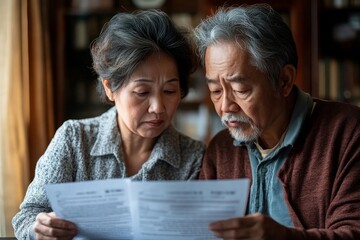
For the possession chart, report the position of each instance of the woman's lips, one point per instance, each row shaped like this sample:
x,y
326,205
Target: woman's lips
x,y
155,123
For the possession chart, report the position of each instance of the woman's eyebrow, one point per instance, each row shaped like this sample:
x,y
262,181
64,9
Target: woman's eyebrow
x,y
146,80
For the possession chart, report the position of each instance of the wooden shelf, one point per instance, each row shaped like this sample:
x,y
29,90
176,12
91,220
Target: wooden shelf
x,y
311,22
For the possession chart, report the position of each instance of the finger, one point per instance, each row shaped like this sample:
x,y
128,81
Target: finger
x,y
50,219
46,225
235,233
41,237
52,214
50,233
236,228
232,223
225,229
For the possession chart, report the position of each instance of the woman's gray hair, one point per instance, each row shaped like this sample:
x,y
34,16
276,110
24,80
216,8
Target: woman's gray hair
x,y
129,38
258,29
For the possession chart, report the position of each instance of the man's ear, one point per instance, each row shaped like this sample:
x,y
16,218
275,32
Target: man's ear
x,y
287,79
106,84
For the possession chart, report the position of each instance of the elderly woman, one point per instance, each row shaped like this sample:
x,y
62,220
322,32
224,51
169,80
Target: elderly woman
x,y
143,62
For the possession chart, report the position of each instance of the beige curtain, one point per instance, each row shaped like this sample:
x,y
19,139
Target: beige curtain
x,y
26,123
14,112
41,119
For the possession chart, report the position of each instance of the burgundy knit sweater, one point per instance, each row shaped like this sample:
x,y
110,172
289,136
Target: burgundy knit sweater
x,y
320,177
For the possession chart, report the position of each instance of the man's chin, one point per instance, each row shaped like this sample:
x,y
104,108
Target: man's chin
x,y
240,136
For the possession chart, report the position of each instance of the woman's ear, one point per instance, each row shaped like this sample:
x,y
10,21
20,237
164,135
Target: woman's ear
x,y
287,79
106,84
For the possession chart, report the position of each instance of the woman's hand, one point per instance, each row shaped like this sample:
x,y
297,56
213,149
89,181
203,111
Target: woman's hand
x,y
255,227
48,226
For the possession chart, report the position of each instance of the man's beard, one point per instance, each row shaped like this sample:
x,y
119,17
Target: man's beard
x,y
237,132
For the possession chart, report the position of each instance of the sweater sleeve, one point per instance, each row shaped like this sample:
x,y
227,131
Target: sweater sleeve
x,y
342,217
54,166
323,234
323,181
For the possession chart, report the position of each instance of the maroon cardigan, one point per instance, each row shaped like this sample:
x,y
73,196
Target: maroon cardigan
x,y
320,177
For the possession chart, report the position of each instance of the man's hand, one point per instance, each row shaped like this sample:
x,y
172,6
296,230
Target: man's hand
x,y
47,226
255,227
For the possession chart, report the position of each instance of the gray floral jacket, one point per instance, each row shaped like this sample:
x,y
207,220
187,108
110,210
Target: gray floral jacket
x,y
91,149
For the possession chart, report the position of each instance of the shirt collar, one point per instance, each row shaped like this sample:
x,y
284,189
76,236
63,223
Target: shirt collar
x,y
108,137
302,109
167,147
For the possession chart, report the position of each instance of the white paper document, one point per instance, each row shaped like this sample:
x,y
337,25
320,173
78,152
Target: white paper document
x,y
152,210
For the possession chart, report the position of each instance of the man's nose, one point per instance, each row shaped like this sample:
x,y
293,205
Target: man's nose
x,y
228,103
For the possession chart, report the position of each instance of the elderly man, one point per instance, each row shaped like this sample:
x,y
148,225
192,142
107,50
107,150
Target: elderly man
x,y
301,154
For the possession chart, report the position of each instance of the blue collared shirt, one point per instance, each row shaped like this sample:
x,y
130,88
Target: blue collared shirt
x,y
266,193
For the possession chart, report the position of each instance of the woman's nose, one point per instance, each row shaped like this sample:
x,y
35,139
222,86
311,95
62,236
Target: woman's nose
x,y
157,105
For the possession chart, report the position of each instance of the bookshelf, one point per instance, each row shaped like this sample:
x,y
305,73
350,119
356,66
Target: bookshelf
x,y
326,33
77,23
339,59
81,98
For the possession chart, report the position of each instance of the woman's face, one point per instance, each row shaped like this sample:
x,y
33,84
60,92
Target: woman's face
x,y
147,103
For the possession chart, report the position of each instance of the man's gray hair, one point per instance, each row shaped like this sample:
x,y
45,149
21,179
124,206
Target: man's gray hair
x,y
258,29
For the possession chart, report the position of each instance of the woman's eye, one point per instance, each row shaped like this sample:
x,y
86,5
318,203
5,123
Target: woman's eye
x,y
141,94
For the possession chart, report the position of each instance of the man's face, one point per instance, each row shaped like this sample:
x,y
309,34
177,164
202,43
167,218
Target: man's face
x,y
243,97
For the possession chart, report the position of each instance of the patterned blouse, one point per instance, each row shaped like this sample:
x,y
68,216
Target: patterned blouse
x,y
91,149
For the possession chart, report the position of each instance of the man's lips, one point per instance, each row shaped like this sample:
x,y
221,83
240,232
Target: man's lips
x,y
235,124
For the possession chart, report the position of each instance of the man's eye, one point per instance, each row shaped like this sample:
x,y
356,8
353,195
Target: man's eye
x,y
215,93
242,93
169,91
